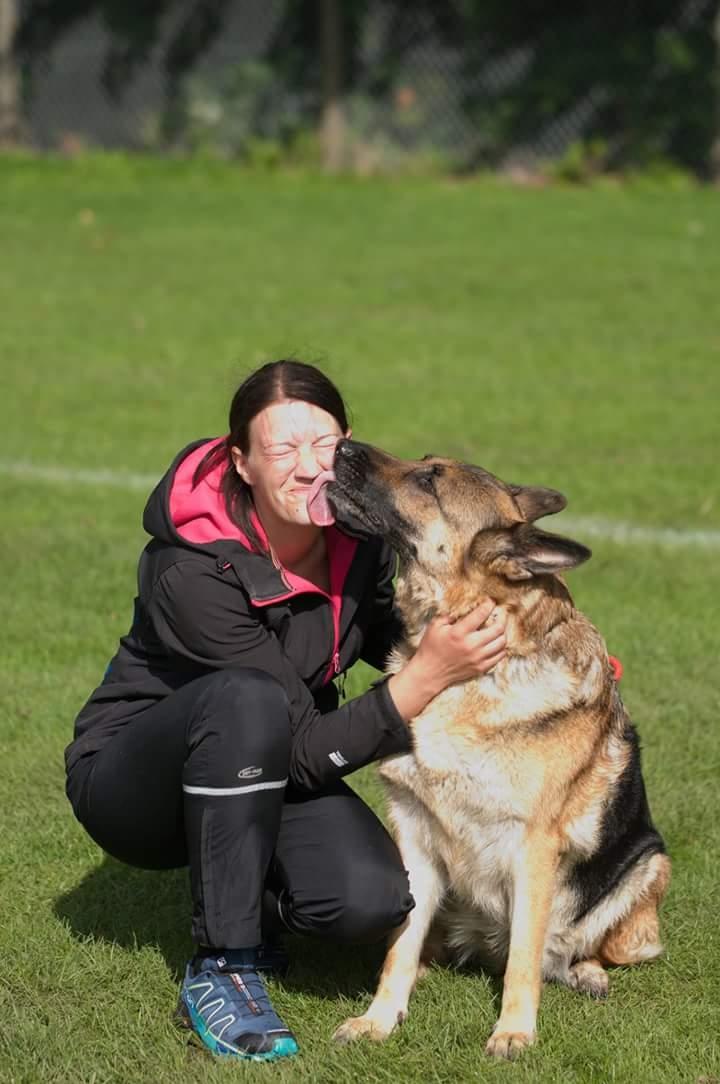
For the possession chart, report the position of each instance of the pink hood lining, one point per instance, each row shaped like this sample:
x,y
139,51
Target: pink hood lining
x,y
199,515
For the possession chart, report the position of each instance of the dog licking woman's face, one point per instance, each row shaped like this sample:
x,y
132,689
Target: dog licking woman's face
x,y
291,443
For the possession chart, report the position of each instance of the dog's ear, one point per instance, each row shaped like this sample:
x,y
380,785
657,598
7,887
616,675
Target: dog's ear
x,y
535,502
537,553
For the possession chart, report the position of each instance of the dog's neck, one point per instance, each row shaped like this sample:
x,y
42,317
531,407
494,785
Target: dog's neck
x,y
532,607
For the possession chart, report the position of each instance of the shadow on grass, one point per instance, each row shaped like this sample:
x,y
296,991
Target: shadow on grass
x,y
134,908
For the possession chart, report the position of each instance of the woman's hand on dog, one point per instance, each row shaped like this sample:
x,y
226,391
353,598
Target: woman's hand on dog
x,y
450,652
454,651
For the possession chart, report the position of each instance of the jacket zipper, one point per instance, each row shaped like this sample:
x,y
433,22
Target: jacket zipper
x,y
334,668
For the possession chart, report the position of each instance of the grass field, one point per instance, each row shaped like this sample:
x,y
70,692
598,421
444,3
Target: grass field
x,y
564,337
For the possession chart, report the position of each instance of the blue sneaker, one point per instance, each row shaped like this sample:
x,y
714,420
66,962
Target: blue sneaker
x,y
224,1003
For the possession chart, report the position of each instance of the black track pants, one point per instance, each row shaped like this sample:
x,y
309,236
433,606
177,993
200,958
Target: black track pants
x,y
200,780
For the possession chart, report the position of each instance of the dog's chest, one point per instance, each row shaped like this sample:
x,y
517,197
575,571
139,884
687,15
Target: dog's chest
x,y
470,801
466,818
474,753
482,767
460,780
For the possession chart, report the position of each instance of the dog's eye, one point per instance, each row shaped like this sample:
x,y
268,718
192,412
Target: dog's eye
x,y
426,481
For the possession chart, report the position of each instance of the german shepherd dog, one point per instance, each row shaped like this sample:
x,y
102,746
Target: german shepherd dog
x,y
521,813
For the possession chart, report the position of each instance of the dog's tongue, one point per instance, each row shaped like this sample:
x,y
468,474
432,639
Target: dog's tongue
x,y
318,507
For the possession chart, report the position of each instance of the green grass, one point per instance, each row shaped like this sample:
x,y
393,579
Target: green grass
x,y
564,337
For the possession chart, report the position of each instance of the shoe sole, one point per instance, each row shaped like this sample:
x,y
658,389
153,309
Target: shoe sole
x,y
282,1048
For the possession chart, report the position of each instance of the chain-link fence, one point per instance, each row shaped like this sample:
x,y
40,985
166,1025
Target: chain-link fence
x,y
376,86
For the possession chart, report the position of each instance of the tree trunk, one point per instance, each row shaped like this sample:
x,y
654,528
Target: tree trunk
x,y
715,147
333,115
9,76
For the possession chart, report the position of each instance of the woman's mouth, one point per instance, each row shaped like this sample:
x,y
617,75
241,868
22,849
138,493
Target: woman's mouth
x,y
318,507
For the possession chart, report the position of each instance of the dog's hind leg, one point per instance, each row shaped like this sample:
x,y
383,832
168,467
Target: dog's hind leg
x,y
400,971
589,977
636,937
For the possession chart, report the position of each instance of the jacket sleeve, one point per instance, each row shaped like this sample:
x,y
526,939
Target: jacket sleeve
x,y
386,627
209,621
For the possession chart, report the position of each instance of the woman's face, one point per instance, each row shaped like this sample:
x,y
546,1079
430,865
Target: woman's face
x,y
291,442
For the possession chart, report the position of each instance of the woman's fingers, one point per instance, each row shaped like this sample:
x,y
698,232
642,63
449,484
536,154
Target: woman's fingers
x,y
458,650
491,647
477,617
486,636
492,661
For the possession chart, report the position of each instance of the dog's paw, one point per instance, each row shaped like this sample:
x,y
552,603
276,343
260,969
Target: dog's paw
x,y
364,1027
509,1044
590,977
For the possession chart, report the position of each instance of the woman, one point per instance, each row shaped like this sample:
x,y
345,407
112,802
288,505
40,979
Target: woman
x,y
215,739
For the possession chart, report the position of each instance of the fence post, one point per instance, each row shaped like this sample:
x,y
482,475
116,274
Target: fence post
x,y
715,146
332,129
9,76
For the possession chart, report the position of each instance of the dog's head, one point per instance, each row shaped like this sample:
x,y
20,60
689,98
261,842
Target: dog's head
x,y
450,518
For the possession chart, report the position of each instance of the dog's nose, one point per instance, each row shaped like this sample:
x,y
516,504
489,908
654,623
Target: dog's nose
x,y
343,449
353,453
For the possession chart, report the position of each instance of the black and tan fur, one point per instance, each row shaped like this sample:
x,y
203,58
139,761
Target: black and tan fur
x,y
521,813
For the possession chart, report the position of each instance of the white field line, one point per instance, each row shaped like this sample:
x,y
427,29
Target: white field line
x,y
627,534
73,476
632,534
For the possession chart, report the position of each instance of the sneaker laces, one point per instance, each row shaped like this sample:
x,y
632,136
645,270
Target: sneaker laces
x,y
245,989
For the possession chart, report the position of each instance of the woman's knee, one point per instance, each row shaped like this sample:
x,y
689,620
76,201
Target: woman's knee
x,y
243,685
241,723
363,908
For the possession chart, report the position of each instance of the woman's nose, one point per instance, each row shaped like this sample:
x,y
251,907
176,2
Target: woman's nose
x,y
307,463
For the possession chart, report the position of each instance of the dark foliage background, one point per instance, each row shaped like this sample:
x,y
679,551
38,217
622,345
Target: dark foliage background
x,y
484,81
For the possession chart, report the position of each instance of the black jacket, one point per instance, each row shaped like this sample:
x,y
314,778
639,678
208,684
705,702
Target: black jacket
x,y
206,600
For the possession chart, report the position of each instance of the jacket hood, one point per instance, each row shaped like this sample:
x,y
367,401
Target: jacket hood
x,y
198,512
178,511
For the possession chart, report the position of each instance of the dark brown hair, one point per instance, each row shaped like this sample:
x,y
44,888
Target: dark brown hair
x,y
271,383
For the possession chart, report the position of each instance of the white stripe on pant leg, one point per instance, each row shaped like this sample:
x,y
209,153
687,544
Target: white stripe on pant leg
x,y
226,792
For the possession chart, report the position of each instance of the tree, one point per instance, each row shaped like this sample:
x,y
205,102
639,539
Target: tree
x,y
10,113
333,117
715,149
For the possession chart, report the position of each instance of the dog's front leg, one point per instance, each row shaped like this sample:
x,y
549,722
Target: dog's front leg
x,y
534,871
390,1004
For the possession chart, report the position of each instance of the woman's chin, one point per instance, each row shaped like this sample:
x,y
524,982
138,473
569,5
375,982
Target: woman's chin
x,y
299,517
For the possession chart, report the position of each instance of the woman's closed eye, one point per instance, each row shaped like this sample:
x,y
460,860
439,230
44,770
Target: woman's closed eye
x,y
280,451
322,446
